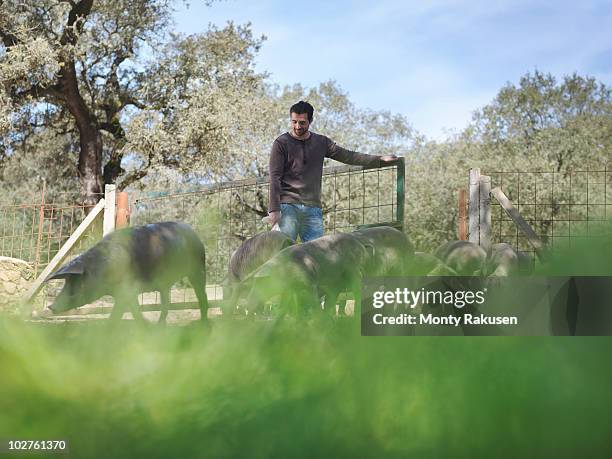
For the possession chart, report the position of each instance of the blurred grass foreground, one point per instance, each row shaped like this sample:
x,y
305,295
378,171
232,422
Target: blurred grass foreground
x,y
311,389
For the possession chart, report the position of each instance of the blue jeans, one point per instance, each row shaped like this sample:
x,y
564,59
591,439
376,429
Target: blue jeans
x,y
301,219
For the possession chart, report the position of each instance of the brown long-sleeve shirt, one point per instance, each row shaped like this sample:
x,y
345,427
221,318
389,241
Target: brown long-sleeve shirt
x,y
296,168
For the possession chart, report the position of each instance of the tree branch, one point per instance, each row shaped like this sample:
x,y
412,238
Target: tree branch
x,y
36,92
260,212
133,177
8,38
113,169
78,11
170,162
136,175
128,100
113,128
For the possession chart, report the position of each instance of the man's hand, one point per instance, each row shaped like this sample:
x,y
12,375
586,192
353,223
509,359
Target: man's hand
x,y
274,217
388,158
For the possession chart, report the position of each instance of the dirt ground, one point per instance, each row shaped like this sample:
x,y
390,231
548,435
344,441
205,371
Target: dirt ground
x,y
100,309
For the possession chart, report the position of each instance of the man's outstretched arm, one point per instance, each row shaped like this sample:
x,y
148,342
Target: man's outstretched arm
x,y
352,157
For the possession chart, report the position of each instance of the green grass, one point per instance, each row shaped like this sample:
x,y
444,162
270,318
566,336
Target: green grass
x,y
302,389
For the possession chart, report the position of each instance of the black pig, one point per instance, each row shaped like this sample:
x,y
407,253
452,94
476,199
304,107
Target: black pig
x,y
392,250
302,274
464,257
253,253
130,261
505,261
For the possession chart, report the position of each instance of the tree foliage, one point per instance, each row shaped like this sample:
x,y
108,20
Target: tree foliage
x,y
540,124
545,123
131,94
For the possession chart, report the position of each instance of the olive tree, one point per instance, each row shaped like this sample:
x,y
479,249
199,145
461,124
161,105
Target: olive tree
x,y
130,94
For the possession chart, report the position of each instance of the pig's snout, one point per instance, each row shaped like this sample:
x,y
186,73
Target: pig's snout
x,y
58,307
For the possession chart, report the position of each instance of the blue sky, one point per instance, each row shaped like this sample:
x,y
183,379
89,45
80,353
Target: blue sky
x,y
432,61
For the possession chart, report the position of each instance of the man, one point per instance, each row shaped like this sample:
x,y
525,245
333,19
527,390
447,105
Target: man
x,y
296,169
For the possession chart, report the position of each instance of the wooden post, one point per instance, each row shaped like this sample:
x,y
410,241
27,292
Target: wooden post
x,y
520,222
474,205
462,230
485,213
123,210
109,210
41,219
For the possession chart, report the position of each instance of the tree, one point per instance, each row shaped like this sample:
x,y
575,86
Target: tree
x,y
545,123
108,73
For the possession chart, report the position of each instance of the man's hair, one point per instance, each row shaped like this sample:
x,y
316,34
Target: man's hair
x,y
302,107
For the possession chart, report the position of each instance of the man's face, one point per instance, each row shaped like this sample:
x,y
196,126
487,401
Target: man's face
x,y
299,124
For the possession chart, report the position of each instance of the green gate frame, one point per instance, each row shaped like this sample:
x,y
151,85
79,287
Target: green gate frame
x,y
400,196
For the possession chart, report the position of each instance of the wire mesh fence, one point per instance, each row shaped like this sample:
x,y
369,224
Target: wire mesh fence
x,y
34,232
224,215
561,207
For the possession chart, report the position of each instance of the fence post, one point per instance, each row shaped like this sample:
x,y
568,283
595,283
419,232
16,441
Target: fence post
x,y
41,219
123,210
485,212
462,230
474,205
108,225
401,173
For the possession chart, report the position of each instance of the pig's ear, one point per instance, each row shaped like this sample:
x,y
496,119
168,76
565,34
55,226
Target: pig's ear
x,y
73,268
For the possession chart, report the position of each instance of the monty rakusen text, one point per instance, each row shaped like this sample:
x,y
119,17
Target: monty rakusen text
x,y
412,298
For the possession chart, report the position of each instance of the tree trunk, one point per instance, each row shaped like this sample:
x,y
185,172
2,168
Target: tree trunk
x,y
113,169
90,163
90,156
